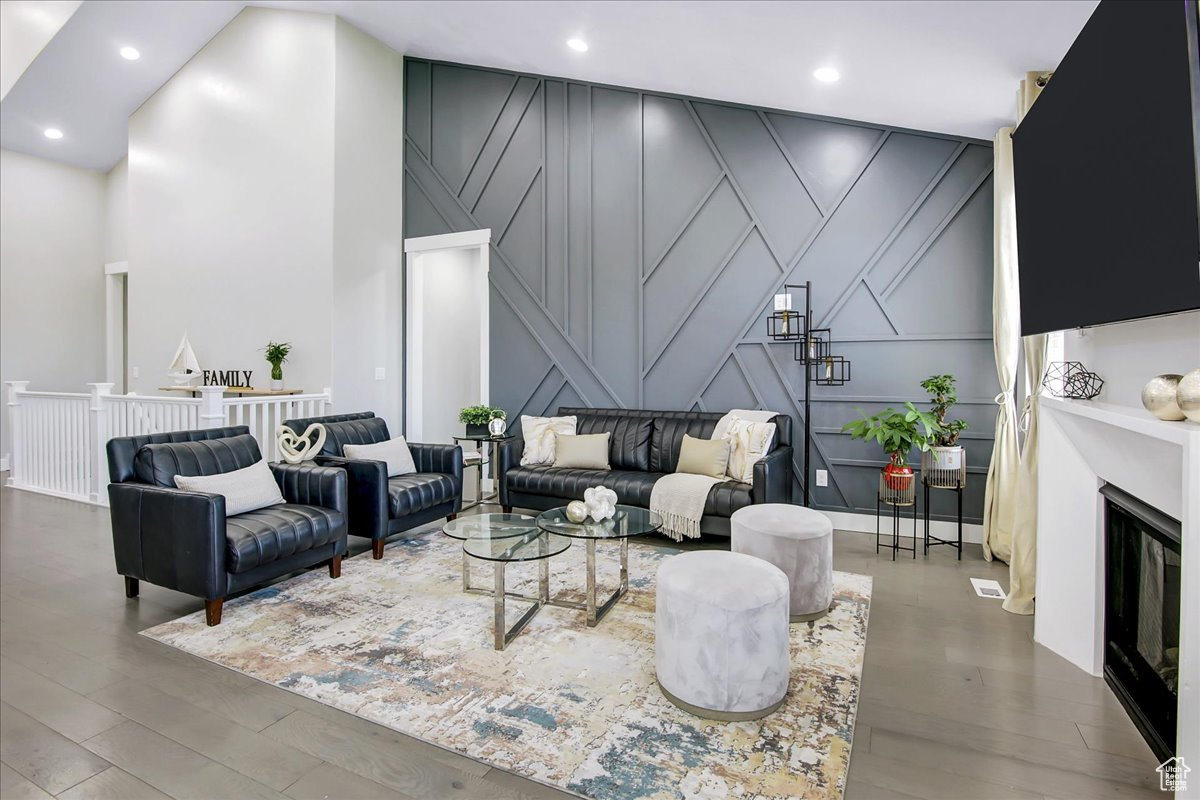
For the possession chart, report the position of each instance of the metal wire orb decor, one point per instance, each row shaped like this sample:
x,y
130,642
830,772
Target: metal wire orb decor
x,y
1071,380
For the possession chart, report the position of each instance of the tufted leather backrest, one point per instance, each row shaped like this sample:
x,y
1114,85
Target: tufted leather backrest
x,y
629,445
160,463
123,449
667,431
362,427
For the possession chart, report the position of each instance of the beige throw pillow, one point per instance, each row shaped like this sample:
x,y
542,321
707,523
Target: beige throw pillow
x,y
703,456
539,433
749,442
589,451
394,452
247,489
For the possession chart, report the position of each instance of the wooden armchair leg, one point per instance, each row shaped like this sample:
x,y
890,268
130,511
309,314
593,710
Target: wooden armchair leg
x,y
506,509
335,567
451,517
212,611
131,586
377,548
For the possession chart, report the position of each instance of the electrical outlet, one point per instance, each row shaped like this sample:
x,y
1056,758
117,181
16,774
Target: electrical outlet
x,y
379,374
822,477
136,373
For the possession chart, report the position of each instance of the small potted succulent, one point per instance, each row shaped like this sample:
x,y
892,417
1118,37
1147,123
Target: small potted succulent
x,y
897,432
277,353
946,452
482,420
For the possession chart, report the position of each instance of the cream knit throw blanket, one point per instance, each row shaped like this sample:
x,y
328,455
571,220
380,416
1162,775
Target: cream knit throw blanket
x,y
679,497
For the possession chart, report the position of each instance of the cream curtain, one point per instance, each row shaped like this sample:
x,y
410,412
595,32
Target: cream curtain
x,y
1022,562
1000,494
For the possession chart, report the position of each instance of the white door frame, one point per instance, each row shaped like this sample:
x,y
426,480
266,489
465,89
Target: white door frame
x,y
115,300
480,241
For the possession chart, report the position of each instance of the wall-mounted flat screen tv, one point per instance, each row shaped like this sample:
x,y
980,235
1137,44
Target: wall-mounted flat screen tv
x,y
1105,167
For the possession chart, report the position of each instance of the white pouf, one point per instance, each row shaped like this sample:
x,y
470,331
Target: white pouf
x,y
799,541
721,634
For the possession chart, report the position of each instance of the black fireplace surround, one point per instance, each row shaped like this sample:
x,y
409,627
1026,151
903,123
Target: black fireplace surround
x,y
1141,615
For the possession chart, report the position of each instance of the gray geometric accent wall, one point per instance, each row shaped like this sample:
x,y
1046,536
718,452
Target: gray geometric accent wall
x,y
638,238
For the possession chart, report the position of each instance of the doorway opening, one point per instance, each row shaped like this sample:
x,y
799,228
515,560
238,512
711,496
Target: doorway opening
x,y
116,325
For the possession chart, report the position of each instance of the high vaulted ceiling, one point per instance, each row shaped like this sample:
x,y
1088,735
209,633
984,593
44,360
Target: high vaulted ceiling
x,y
950,67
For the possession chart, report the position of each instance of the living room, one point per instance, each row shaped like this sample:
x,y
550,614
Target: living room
x,y
599,399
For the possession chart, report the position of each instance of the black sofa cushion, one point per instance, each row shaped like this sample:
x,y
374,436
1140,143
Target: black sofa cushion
x,y
408,494
632,488
668,435
269,534
158,464
629,445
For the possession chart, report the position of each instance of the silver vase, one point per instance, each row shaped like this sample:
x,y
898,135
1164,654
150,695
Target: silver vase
x,y
1158,396
1187,395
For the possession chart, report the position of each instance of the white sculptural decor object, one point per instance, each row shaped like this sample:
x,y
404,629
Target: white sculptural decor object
x,y
601,502
296,449
184,368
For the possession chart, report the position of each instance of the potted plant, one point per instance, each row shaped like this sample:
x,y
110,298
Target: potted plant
x,y
946,451
897,432
277,353
478,420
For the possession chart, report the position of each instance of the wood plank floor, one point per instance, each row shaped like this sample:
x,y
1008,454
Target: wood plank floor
x,y
957,701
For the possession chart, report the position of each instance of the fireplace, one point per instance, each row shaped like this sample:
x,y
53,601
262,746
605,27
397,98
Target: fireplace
x,y
1141,616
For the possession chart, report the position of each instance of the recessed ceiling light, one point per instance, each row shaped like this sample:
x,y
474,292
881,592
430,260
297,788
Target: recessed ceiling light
x,y
826,75
130,53
53,133
578,45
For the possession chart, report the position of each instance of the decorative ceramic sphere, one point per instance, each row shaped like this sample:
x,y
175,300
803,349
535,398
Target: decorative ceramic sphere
x,y
1187,395
1158,396
497,426
576,511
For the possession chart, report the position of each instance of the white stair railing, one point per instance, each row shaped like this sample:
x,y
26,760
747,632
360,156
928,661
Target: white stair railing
x,y
59,438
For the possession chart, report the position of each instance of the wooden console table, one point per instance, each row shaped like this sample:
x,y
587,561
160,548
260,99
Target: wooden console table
x,y
240,391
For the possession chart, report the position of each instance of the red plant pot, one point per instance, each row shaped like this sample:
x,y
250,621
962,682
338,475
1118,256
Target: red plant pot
x,y
897,478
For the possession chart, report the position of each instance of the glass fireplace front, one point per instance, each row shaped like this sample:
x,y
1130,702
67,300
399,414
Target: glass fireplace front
x,y
1141,620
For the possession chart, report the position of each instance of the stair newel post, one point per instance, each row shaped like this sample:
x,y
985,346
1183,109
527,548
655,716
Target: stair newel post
x,y
16,431
212,406
98,427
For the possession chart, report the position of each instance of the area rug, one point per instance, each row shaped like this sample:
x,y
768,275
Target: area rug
x,y
397,642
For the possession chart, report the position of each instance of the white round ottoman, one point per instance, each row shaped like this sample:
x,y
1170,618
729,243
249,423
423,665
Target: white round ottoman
x,y
721,634
799,541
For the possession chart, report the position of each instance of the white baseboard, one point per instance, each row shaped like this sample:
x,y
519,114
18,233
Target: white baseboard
x,y
865,523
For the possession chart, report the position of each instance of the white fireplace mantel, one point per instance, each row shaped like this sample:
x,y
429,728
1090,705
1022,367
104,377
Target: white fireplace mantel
x,y
1081,446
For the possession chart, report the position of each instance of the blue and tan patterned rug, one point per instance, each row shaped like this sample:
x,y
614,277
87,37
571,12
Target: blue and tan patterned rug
x,y
397,642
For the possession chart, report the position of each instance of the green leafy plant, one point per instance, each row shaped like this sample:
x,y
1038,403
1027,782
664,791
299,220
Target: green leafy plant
x,y
277,353
897,432
942,397
480,415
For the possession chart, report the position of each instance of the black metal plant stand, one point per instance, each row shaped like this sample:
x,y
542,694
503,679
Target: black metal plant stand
x,y
812,347
897,491
934,476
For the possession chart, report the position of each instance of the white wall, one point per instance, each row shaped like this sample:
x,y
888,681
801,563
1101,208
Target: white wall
x,y
116,213
1127,354
230,225
368,327
51,275
26,26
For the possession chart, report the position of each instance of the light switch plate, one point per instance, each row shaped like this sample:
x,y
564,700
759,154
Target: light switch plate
x,y
379,373
822,477
137,373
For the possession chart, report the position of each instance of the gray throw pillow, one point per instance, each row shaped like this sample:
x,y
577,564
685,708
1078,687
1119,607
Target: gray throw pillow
x,y
589,451
247,489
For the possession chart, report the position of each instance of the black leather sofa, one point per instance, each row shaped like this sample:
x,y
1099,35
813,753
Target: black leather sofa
x,y
644,446
183,540
381,506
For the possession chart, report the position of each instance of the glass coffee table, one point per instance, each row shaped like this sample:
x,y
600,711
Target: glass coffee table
x,y
488,527
628,521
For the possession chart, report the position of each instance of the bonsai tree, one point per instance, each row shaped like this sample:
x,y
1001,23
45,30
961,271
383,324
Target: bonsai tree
x,y
277,353
480,415
897,432
943,396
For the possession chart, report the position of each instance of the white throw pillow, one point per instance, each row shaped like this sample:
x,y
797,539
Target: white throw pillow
x,y
539,433
395,452
748,442
247,489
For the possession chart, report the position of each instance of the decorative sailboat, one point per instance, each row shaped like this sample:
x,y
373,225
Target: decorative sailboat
x,y
184,367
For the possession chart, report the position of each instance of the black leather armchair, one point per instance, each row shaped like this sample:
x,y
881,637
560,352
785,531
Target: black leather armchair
x,y
644,446
381,506
183,540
